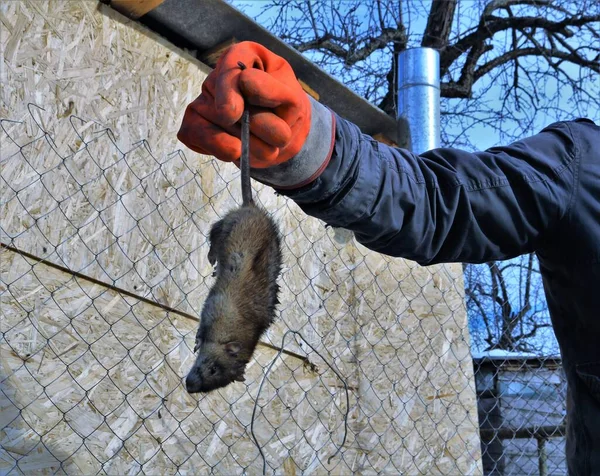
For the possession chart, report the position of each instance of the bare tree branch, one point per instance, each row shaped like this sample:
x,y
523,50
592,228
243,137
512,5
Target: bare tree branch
x,y
486,320
328,43
439,24
491,25
533,331
463,88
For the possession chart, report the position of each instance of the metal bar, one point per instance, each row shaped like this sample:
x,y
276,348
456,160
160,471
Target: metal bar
x,y
125,292
548,431
95,281
419,99
543,457
202,25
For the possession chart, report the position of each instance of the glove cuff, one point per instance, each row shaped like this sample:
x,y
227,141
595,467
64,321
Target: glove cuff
x,y
312,159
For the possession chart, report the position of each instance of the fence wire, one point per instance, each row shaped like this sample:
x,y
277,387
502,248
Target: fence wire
x,y
103,274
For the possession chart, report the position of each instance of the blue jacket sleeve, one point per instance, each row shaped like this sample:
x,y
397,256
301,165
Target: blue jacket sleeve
x,y
446,205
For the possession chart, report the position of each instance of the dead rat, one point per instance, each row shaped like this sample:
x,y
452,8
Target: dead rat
x,y
240,306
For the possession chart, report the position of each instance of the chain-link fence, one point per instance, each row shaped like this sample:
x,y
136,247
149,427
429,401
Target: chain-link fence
x,y
521,388
521,404
104,272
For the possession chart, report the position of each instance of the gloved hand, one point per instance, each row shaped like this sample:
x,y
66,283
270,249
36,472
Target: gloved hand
x,y
280,109
282,117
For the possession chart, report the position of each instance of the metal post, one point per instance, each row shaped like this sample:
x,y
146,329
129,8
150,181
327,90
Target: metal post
x,y
419,99
542,457
418,106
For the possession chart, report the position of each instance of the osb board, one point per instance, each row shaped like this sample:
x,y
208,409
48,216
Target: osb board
x,y
417,398
92,198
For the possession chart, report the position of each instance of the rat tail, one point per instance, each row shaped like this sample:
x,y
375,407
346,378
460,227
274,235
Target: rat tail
x,y
245,159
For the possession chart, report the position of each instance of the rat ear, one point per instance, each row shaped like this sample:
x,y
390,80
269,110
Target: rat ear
x,y
233,348
239,373
198,341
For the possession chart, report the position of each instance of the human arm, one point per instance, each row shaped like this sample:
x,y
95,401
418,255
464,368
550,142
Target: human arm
x,y
443,205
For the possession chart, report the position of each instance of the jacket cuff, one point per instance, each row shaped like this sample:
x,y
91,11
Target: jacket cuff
x,y
312,159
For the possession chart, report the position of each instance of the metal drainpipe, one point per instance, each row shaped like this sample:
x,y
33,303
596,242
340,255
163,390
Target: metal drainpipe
x,y
418,107
419,99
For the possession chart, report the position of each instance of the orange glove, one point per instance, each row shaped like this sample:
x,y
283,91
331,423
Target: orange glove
x,y
280,111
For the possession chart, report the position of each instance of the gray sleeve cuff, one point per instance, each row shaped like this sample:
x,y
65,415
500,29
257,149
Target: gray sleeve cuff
x,y
312,159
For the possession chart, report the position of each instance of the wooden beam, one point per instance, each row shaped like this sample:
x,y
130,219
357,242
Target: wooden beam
x,y
135,8
382,138
308,90
211,56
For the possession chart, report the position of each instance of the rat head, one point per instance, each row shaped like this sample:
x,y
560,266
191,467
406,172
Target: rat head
x,y
223,344
216,366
